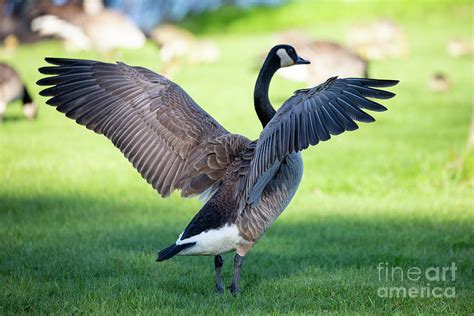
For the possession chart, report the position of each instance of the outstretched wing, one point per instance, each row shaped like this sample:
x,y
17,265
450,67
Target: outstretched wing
x,y
168,138
310,116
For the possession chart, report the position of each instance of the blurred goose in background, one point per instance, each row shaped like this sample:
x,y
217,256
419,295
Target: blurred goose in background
x,y
439,83
378,40
460,48
13,88
62,22
90,26
72,35
168,33
329,59
15,24
178,44
175,144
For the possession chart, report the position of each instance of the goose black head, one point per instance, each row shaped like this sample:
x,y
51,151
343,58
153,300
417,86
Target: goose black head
x,y
287,56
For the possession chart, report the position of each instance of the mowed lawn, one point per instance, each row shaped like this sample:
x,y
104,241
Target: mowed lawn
x,y
79,228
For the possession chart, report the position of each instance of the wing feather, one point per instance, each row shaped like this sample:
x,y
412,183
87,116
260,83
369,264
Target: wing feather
x,y
156,125
310,116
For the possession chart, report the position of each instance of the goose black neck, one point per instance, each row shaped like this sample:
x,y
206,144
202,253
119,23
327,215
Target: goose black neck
x,y
26,96
263,107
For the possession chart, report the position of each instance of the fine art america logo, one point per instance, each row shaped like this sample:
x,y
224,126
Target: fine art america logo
x,y
422,283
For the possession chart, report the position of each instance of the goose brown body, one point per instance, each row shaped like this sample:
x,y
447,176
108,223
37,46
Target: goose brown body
x,y
13,88
176,145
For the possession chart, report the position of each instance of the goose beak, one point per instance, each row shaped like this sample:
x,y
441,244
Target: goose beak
x,y
302,61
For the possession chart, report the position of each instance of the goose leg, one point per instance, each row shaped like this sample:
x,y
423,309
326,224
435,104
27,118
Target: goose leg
x,y
218,263
234,287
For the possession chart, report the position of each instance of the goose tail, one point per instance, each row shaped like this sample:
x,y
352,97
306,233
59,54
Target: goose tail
x,y
172,250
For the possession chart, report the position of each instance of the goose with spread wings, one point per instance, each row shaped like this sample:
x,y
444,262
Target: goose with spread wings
x,y
175,145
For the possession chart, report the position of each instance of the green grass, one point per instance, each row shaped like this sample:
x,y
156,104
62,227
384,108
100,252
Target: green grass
x,y
79,228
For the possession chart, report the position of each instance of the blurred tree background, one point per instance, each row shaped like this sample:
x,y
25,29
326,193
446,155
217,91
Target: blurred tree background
x,y
79,228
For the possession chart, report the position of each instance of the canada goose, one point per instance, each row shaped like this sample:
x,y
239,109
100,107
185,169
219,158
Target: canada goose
x,y
62,21
72,35
439,82
12,88
89,26
168,33
178,45
175,144
460,48
15,22
378,40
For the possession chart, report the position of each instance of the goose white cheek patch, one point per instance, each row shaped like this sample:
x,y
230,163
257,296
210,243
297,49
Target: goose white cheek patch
x,y
285,59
